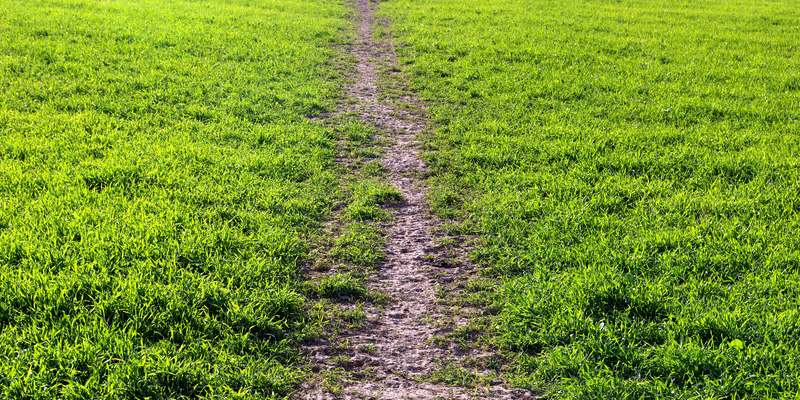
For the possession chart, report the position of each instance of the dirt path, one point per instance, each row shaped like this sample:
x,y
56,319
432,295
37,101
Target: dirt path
x,y
390,358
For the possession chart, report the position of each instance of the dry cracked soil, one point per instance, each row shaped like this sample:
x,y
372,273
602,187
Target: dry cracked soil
x,y
393,356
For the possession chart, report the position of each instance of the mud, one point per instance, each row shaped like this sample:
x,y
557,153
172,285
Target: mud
x,y
392,357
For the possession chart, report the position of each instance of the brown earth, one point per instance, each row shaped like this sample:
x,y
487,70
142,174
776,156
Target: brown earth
x,y
392,357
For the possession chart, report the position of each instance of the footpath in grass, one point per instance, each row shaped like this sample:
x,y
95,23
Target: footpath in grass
x,y
160,183
631,171
389,351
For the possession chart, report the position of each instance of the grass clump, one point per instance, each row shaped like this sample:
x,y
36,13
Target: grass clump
x,y
360,245
632,176
368,197
341,285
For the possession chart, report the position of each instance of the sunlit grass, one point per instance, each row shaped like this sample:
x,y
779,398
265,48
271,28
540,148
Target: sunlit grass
x,y
159,184
632,170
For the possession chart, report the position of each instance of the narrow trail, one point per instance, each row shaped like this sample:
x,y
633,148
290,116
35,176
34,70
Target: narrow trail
x,y
389,358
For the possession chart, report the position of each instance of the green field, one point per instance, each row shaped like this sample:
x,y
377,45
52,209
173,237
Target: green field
x,y
160,184
632,170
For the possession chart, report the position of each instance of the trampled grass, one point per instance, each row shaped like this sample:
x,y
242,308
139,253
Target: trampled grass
x,y
159,185
632,171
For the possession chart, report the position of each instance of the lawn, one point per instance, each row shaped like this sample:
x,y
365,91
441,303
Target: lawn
x,y
631,171
160,186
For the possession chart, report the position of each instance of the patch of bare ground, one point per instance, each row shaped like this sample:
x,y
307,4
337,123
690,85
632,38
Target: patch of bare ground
x,y
395,354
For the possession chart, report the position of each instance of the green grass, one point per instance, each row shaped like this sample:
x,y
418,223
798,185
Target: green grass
x,y
160,183
631,169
